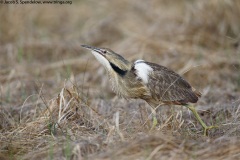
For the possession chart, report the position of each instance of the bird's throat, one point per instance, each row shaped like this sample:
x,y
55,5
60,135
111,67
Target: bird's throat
x,y
102,60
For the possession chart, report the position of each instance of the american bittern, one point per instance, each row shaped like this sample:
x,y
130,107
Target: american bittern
x,y
151,82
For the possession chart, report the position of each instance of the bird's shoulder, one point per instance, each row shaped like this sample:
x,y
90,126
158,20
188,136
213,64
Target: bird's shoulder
x,y
142,70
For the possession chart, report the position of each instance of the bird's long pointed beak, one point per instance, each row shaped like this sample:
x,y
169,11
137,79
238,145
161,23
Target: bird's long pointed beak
x,y
98,50
88,47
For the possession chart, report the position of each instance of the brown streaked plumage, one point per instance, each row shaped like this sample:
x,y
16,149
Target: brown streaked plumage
x,y
151,82
168,87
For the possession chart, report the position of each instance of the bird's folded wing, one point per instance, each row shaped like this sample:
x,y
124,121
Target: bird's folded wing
x,y
169,87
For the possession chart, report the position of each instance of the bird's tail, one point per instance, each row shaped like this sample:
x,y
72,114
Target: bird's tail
x,y
196,92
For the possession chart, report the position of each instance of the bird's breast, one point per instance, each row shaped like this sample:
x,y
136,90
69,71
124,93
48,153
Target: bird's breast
x,y
128,87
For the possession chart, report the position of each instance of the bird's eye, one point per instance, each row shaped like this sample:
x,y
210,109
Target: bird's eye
x,y
104,51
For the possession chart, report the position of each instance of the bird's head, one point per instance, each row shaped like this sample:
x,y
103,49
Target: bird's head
x,y
110,60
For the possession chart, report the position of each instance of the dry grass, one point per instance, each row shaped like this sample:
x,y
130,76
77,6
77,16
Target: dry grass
x,y
55,99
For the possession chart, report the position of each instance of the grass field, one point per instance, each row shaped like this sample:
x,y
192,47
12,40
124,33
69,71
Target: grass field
x,y
56,100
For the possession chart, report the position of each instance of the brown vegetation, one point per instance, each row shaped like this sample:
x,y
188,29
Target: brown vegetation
x,y
56,101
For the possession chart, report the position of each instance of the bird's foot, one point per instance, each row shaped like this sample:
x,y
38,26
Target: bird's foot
x,y
206,128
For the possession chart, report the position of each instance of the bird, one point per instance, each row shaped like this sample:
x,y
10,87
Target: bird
x,y
151,82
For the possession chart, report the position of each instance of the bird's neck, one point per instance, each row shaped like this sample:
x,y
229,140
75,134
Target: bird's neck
x,y
126,86
119,71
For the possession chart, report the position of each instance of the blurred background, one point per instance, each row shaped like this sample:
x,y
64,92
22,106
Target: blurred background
x,y
40,54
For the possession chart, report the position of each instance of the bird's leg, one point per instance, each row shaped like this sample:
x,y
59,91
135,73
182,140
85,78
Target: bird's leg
x,y
154,115
154,118
205,127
